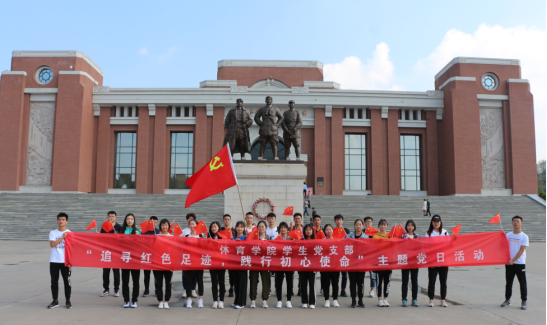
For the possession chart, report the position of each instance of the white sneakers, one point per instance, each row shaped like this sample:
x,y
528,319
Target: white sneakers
x,y
289,305
279,304
335,303
194,294
221,305
431,303
312,306
253,304
381,302
304,306
165,305
443,303
189,303
215,305
386,304
327,304
134,304
184,294
126,305
371,293
238,307
200,303
105,293
160,306
264,304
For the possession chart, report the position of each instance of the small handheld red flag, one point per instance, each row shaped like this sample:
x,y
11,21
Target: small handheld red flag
x,y
391,233
225,234
399,231
91,225
296,234
171,228
201,228
288,211
107,226
339,233
456,230
495,219
371,231
253,235
147,226
320,234
177,230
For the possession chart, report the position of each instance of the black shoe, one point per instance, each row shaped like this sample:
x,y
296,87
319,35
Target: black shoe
x,y
361,304
68,305
53,304
343,293
353,305
145,293
231,292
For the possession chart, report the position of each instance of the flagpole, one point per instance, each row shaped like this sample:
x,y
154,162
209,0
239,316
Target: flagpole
x,y
95,226
501,225
241,202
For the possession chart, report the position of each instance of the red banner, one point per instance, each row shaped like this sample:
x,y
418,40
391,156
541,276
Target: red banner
x,y
184,253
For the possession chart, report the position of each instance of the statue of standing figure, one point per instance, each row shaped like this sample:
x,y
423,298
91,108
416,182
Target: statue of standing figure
x,y
265,118
238,121
292,123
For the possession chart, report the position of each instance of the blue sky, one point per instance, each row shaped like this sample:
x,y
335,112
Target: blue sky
x,y
178,43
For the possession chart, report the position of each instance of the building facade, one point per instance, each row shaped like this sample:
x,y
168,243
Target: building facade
x,y
62,130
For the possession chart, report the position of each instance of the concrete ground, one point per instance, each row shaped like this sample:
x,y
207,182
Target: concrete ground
x,y
474,295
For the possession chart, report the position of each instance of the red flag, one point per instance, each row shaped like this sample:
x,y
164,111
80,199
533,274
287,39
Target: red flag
x,y
456,230
320,234
107,226
177,230
371,231
495,219
288,211
147,226
391,233
399,231
296,234
215,177
253,235
91,225
171,227
225,234
200,228
338,233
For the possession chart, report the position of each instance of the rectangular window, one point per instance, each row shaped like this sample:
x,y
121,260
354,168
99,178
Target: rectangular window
x,y
360,114
356,162
411,179
351,113
125,158
182,155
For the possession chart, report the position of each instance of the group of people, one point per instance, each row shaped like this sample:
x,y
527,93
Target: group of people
x,y
239,280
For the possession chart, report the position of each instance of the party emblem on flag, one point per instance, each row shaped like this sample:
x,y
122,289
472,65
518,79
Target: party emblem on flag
x,y
213,165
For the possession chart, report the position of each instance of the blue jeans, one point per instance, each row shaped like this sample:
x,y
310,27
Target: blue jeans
x,y
373,277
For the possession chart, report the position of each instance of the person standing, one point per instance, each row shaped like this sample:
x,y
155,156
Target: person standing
x,y
116,272
357,279
227,220
436,229
297,217
130,228
424,207
428,208
339,220
147,273
57,262
330,278
194,274
264,275
410,228
279,275
185,233
384,277
271,230
249,225
218,276
305,189
372,275
306,207
518,241
240,281
160,275
307,279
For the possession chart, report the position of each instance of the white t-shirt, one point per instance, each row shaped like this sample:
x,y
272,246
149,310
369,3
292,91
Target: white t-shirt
x,y
515,242
249,230
271,232
186,231
434,233
424,207
57,252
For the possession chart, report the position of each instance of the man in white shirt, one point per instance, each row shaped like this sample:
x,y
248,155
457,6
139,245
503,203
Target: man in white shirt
x,y
249,218
271,232
518,241
57,261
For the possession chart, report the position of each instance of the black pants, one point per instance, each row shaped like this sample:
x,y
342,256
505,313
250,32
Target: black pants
x,y
158,277
218,284
194,281
54,269
147,280
240,287
520,271
432,274
106,279
356,284
384,277
266,281
307,287
279,275
231,278
344,281
414,278
328,279
428,212
190,275
135,276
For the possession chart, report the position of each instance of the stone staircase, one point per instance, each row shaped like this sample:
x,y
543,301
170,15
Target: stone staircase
x,y
32,216
473,212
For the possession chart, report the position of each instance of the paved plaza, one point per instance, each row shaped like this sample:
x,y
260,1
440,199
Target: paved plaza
x,y
474,296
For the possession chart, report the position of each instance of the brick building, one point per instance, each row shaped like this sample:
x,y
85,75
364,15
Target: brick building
x,y
62,130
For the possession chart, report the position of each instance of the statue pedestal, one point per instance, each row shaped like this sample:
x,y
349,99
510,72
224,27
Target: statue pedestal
x,y
279,181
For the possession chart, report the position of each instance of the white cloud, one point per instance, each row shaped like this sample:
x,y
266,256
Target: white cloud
x,y
352,73
528,44
143,51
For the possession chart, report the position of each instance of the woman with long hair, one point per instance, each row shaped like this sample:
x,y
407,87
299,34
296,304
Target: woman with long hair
x,y
436,229
192,223
129,227
410,228
160,275
307,279
279,275
384,277
264,275
330,278
240,276
357,279
217,276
